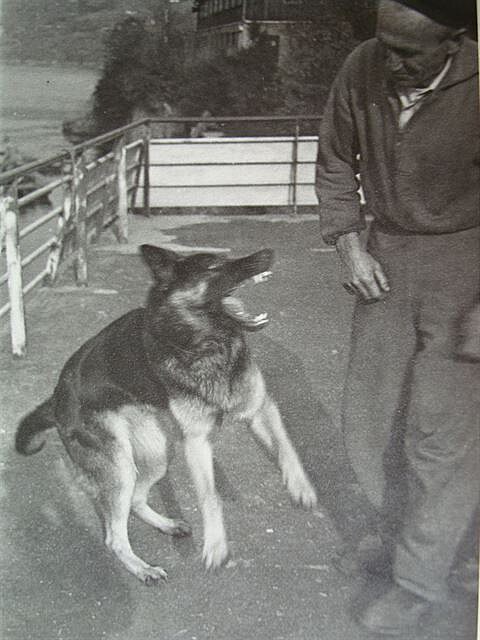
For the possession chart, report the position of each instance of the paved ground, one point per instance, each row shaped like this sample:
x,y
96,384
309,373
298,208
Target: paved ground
x,y
281,584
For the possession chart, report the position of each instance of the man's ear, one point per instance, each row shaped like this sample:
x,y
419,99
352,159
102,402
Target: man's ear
x,y
161,262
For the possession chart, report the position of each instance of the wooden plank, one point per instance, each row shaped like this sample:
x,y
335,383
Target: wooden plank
x,y
231,150
267,195
248,175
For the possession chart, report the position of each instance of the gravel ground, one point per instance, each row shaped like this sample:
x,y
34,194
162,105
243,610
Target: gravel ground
x,y
281,582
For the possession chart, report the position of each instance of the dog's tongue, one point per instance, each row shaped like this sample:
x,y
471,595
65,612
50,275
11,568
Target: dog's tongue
x,y
234,308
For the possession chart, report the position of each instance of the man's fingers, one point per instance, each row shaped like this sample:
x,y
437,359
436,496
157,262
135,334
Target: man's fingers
x,y
365,290
368,290
381,279
365,278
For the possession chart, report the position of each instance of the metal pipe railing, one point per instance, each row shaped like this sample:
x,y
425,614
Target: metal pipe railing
x,y
12,174
75,214
40,222
38,193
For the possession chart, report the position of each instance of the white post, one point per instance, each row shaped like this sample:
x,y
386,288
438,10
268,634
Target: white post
x,y
122,206
80,213
56,250
9,214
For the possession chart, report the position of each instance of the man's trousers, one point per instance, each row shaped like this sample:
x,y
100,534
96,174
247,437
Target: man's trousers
x,y
412,408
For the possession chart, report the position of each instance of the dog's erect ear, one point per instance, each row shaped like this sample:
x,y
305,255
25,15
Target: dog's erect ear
x,y
160,261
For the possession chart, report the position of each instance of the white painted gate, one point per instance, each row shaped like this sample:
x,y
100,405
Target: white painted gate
x,y
203,172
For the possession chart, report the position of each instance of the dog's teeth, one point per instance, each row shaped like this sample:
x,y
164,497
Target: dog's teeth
x,y
262,277
261,317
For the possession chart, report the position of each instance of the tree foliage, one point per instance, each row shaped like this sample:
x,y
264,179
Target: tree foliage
x,y
144,68
241,84
250,82
318,48
140,73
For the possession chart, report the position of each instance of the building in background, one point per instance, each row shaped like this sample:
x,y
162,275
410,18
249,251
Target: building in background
x,y
225,26
180,16
74,31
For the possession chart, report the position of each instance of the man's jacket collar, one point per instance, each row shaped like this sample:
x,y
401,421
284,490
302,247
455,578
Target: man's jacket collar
x,y
464,65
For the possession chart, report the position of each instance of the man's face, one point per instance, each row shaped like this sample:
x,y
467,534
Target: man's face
x,y
415,50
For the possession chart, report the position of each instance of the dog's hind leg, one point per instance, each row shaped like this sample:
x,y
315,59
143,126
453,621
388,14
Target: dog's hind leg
x,y
268,426
104,454
114,505
149,446
141,509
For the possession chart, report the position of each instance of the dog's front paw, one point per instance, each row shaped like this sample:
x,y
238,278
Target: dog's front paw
x,y
180,529
301,490
151,576
215,553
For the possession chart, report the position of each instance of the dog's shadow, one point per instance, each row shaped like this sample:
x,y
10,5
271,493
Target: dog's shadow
x,y
318,441
57,579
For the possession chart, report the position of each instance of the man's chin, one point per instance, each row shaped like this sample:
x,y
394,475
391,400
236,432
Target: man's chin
x,y
406,83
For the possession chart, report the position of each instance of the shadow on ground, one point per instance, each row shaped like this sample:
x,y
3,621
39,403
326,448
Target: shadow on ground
x,y
61,584
57,579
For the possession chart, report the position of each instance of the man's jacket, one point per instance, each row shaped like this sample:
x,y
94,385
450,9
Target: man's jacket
x,y
424,178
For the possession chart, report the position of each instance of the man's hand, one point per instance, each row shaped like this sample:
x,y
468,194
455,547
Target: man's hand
x,y
363,275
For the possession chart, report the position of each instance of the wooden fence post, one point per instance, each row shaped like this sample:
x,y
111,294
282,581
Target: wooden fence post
x,y
294,172
146,172
58,245
80,220
107,192
122,192
9,214
138,173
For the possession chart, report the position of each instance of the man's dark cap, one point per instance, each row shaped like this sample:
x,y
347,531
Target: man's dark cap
x,y
451,13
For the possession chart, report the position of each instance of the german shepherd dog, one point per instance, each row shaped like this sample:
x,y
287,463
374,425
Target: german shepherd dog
x,y
181,362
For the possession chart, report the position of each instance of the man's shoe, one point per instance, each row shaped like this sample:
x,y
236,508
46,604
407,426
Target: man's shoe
x,y
371,556
394,613
378,562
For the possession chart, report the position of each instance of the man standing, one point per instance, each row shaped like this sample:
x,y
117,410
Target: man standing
x,y
404,113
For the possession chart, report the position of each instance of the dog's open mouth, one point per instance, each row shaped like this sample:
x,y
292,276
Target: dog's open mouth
x,y
234,308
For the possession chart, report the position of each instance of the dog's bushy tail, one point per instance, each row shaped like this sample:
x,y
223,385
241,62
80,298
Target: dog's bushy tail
x,y
31,436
